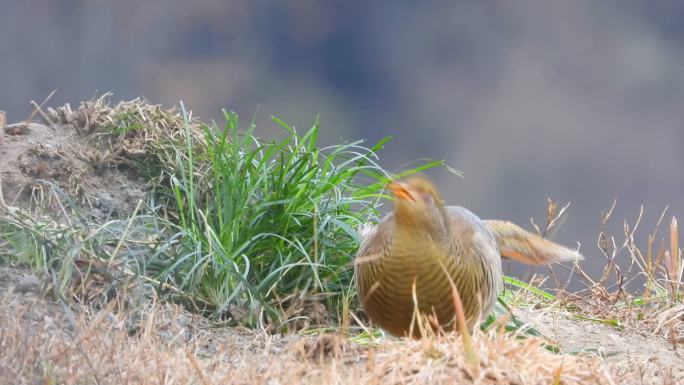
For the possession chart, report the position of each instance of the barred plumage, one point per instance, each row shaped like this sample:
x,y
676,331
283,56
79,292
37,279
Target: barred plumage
x,y
419,241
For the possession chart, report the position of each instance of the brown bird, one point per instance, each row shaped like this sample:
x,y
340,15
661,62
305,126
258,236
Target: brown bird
x,y
403,262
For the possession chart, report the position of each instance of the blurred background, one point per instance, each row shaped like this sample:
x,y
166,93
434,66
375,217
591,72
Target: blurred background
x,y
577,101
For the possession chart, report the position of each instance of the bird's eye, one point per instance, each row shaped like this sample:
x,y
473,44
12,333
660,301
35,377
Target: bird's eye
x,y
426,197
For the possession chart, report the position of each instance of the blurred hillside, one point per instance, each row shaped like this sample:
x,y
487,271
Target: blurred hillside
x,y
577,101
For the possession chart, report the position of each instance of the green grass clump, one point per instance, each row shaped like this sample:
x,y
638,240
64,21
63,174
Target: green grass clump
x,y
268,225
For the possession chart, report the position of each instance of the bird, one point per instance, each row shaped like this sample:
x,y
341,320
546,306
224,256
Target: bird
x,y
412,257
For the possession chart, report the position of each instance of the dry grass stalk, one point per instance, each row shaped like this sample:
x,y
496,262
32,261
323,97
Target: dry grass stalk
x,y
674,262
553,217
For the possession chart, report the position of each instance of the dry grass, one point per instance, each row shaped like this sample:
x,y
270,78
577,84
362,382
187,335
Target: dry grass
x,y
656,308
42,342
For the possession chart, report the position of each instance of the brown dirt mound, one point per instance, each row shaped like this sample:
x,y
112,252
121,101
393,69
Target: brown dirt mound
x,y
96,153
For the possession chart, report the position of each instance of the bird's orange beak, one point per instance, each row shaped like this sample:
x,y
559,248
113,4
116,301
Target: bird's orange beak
x,y
400,190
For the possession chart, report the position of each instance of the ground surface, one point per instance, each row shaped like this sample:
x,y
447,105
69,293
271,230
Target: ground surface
x,y
633,343
46,340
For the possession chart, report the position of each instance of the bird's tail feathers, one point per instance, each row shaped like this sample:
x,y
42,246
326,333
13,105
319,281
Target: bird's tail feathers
x,y
523,246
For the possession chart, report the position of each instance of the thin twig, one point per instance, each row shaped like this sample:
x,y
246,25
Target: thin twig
x,y
38,109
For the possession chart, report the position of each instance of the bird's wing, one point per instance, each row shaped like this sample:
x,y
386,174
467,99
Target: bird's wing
x,y
464,224
476,254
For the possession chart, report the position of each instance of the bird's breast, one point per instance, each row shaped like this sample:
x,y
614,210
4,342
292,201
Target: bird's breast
x,y
418,275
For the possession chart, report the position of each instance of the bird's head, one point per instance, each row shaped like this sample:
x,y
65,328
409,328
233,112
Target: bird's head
x,y
418,203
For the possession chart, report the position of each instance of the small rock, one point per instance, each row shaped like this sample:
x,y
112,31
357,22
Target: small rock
x,y
104,201
133,196
23,128
28,284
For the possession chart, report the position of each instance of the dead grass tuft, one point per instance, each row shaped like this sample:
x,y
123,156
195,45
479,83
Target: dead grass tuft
x,y
612,299
130,133
324,347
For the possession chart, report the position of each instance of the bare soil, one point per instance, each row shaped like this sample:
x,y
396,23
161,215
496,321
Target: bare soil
x,y
628,344
73,161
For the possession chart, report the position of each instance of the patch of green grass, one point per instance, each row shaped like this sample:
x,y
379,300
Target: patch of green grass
x,y
612,322
502,315
271,224
531,288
